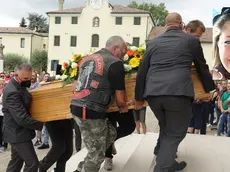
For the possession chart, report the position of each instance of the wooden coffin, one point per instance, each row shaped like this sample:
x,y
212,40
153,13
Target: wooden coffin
x,y
52,101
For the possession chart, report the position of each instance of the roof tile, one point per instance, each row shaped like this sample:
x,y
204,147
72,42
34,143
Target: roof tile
x,y
116,9
20,30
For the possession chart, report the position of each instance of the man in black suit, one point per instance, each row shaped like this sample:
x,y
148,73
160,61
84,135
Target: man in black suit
x,y
19,127
165,74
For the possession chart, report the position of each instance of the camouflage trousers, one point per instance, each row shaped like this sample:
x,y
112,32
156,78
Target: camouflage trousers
x,y
97,135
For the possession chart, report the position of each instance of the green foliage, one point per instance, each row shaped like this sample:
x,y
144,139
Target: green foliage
x,y
38,22
23,23
67,81
39,60
159,12
11,60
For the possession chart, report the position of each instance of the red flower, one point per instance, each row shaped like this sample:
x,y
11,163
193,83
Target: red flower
x,y
130,53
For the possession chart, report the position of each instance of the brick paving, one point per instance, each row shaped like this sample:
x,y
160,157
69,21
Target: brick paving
x,y
152,126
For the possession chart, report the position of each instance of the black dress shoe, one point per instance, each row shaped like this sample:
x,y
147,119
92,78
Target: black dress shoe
x,y
44,146
178,166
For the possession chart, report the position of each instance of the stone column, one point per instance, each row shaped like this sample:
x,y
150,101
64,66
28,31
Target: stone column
x,y
1,58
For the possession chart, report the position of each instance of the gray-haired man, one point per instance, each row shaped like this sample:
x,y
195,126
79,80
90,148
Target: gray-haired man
x,y
19,126
93,94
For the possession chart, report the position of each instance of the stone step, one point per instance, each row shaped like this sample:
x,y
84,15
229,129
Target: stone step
x,y
135,154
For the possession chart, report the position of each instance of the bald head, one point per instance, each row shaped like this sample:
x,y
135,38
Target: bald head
x,y
117,46
173,20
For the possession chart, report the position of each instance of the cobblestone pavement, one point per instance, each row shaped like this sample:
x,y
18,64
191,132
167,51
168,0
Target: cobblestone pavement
x,y
152,126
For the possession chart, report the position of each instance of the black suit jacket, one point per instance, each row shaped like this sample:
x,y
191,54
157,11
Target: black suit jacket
x,y
18,126
166,66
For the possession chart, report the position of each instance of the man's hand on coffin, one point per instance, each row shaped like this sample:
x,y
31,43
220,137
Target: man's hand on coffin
x,y
207,99
130,103
123,109
138,105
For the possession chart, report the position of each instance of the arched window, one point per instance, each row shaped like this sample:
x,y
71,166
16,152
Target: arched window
x,y
95,40
96,22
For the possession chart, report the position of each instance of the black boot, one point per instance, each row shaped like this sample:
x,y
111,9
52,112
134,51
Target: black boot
x,y
178,166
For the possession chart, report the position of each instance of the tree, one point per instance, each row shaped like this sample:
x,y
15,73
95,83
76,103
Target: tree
x,y
39,60
38,22
159,12
23,23
11,60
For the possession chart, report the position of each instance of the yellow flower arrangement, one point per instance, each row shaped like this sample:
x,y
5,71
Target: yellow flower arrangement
x,y
138,55
76,57
134,62
73,73
70,69
133,59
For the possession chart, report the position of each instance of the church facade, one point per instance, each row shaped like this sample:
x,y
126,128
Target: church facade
x,y
81,30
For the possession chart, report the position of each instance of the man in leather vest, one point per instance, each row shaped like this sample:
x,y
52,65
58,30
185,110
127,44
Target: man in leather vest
x,y
95,88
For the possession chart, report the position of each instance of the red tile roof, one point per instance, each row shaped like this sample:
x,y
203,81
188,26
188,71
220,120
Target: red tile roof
x,y
20,30
115,9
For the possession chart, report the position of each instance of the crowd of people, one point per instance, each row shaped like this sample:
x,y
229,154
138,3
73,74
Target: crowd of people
x,y
163,80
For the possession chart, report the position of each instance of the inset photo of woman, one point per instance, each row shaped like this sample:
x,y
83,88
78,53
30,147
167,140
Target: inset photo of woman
x,y
221,44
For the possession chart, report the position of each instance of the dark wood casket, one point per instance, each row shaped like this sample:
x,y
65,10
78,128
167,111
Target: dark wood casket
x,y
52,101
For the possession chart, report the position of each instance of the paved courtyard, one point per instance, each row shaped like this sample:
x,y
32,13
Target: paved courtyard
x,y
152,126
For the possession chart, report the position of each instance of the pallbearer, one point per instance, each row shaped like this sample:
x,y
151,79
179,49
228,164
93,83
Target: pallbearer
x,y
167,85
19,126
94,91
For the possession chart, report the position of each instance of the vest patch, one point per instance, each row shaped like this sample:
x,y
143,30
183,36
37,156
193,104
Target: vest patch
x,y
82,94
98,62
94,84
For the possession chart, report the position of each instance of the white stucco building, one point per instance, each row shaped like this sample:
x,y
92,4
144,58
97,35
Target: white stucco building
x,y
22,41
79,30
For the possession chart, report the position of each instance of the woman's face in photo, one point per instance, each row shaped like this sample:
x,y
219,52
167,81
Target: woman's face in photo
x,y
224,46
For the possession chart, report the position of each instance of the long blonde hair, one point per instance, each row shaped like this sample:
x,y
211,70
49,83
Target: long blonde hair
x,y
217,31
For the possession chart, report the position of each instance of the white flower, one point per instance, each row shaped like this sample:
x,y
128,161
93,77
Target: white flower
x,y
126,57
127,67
134,48
85,54
74,65
63,77
143,46
58,77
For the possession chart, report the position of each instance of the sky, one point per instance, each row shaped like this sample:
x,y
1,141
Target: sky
x,y
11,11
